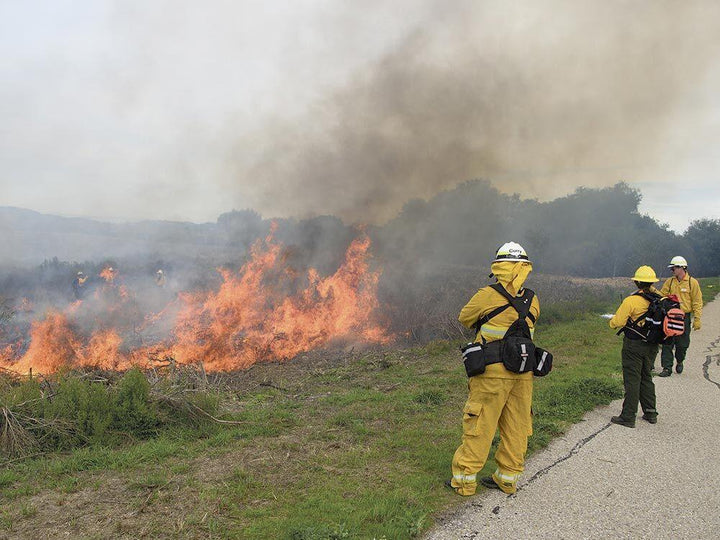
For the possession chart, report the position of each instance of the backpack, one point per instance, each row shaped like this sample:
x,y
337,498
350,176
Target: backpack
x,y
663,319
518,349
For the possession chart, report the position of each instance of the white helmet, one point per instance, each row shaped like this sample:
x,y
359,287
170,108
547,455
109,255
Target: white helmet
x,y
511,251
678,261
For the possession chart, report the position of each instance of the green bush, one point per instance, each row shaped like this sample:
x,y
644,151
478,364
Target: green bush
x,y
83,407
133,412
12,393
71,410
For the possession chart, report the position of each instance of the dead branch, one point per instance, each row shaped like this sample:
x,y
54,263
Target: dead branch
x,y
15,440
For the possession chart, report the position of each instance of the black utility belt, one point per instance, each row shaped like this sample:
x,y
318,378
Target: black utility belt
x,y
630,336
518,356
493,352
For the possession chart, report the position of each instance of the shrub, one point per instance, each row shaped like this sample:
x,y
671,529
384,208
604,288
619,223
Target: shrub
x,y
81,405
133,412
76,409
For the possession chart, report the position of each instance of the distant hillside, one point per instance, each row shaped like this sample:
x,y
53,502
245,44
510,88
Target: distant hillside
x,y
30,237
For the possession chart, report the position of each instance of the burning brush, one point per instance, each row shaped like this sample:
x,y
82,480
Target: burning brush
x,y
264,311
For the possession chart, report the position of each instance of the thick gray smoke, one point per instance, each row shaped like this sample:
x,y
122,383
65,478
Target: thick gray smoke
x,y
539,97
185,110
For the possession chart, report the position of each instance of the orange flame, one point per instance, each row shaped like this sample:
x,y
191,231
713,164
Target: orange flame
x,y
53,345
251,317
248,321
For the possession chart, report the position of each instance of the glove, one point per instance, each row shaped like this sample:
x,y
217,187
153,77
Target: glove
x,y
696,324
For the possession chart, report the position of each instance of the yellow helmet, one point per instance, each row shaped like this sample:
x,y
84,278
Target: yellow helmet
x,y
645,274
510,251
678,261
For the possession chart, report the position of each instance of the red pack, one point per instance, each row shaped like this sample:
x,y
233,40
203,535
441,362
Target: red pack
x,y
674,320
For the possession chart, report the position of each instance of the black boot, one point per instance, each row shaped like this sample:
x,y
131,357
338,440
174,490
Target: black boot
x,y
620,421
488,482
666,372
679,367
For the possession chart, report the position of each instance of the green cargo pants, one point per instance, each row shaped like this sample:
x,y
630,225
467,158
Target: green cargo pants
x,y
637,362
679,343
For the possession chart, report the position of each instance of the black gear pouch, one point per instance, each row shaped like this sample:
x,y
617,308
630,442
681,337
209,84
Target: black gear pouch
x,y
474,358
543,362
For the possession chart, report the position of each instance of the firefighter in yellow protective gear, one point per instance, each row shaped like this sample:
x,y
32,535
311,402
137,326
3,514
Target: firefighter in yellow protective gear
x,y
687,289
497,398
637,355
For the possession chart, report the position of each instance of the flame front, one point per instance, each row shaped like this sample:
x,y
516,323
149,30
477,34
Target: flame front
x,y
264,311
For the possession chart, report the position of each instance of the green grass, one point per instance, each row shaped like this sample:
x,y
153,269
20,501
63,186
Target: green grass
x,y
353,448
710,288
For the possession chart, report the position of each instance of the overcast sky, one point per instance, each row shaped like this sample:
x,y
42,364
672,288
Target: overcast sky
x,y
183,110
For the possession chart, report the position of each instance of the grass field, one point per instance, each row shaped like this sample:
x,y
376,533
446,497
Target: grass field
x,y
352,444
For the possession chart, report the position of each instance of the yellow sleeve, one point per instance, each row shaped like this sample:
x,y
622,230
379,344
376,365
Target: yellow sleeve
x,y
621,315
696,300
473,309
665,290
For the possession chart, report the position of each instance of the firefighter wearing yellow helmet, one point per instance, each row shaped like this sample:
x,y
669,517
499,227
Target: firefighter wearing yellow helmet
x,y
498,398
687,289
637,355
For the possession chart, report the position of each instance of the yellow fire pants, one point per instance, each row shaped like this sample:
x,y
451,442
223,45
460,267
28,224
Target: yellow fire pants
x,y
497,399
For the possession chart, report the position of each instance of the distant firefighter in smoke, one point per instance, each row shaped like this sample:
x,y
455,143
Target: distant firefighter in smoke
x,y
108,274
160,278
78,285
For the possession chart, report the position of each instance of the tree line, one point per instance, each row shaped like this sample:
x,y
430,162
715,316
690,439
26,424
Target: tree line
x,y
589,233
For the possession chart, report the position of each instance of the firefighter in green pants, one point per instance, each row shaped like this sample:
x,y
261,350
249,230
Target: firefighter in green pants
x,y
687,289
637,355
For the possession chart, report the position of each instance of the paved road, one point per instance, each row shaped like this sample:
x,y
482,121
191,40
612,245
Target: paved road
x,y
606,481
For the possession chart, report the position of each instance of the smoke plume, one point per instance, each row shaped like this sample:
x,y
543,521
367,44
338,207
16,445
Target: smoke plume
x,y
181,110
539,97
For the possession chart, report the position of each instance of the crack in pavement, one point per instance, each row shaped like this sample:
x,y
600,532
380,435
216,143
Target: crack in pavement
x,y
709,360
706,366
574,450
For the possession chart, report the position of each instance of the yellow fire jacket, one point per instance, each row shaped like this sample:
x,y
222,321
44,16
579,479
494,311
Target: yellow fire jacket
x,y
631,308
688,291
486,300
